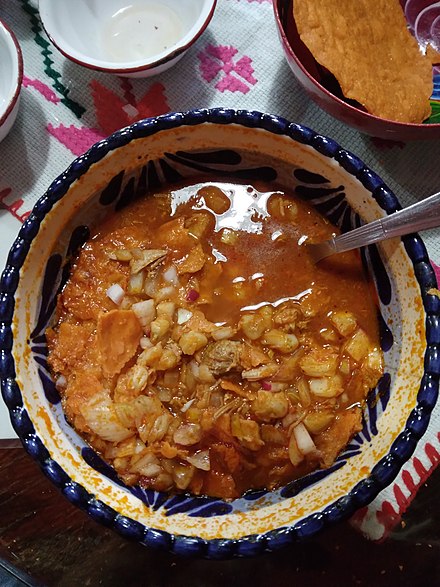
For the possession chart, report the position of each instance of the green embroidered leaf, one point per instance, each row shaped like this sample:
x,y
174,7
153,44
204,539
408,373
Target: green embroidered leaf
x,y
46,52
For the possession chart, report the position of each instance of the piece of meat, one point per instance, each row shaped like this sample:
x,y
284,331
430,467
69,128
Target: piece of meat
x,y
239,390
219,484
222,356
173,234
198,323
118,336
252,356
193,262
228,454
247,432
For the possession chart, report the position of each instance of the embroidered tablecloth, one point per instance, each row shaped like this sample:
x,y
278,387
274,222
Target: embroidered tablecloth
x,y
238,62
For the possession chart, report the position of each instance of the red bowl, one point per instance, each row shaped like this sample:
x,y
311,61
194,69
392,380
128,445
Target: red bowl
x,y
324,89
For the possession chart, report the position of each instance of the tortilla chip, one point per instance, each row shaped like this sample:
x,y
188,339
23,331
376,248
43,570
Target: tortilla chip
x,y
193,262
366,45
118,335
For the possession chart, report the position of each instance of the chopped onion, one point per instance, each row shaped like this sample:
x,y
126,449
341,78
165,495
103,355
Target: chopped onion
x,y
343,398
183,315
144,465
303,439
164,293
222,333
151,470
100,416
216,399
150,286
295,455
266,385
187,434
278,386
192,295
187,405
195,369
205,374
136,283
289,419
61,381
115,293
145,343
200,460
182,475
145,312
170,275
126,303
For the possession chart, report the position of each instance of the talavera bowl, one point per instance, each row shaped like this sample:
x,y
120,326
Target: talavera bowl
x,y
245,145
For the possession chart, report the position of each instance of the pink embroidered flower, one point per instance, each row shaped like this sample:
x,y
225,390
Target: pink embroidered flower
x,y
218,62
42,88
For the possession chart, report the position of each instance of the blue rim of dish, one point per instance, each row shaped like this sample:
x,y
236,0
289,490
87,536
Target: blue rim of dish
x,y
383,473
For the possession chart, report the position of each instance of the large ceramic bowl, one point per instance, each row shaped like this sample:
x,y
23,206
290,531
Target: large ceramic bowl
x,y
244,145
323,88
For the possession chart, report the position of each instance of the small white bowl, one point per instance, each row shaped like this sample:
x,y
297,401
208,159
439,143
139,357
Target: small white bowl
x,y
11,76
137,39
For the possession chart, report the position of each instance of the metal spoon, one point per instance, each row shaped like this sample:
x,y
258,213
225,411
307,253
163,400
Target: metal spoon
x,y
419,216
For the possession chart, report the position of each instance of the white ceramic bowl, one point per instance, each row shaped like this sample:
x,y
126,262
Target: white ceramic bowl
x,y
137,39
11,76
250,146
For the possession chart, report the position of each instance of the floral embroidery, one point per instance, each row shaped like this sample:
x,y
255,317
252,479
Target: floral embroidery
x,y
112,113
217,60
42,88
14,206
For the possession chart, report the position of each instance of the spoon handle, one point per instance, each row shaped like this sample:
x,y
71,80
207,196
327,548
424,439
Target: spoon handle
x,y
419,216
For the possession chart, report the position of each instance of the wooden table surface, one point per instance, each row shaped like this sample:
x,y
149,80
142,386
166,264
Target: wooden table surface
x,y
42,534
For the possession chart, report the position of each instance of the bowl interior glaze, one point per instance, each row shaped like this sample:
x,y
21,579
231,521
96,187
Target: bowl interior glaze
x,y
247,146
85,32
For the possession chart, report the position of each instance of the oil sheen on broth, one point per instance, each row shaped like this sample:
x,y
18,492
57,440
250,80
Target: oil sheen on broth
x,y
199,349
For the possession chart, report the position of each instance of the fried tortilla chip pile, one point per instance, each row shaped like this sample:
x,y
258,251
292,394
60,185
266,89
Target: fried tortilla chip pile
x,y
366,45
